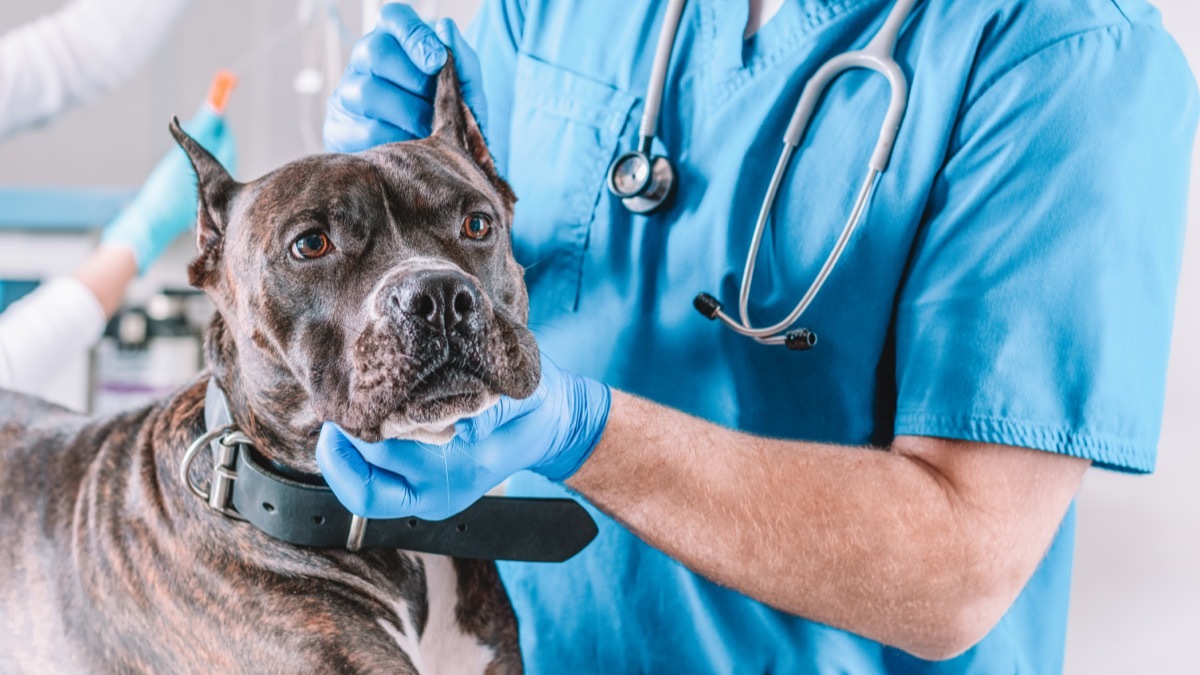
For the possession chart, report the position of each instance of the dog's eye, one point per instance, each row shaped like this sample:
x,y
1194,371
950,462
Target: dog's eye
x,y
476,226
311,245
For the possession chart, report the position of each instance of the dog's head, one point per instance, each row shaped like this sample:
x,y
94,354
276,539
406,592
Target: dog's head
x,y
376,290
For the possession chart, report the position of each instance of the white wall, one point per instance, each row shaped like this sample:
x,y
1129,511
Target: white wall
x,y
1135,604
1136,596
117,139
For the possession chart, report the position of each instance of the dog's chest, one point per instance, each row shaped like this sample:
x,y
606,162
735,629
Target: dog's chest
x,y
444,645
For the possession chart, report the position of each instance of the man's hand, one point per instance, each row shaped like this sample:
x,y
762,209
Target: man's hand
x,y
386,93
552,432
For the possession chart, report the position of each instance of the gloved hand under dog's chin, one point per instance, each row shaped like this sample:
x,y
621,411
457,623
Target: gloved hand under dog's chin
x,y
552,433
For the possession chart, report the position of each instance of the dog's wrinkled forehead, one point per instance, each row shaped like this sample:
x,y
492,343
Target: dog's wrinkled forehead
x,y
309,192
430,176
401,187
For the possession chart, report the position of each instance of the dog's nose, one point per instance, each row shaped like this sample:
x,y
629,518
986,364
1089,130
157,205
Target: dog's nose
x,y
441,298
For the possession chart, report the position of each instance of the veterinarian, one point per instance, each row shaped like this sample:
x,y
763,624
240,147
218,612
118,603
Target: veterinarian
x,y
47,66
900,493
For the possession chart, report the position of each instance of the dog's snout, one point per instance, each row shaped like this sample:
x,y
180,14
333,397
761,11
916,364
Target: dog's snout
x,y
442,298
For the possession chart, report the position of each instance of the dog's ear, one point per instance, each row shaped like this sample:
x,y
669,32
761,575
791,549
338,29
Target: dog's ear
x,y
216,190
454,124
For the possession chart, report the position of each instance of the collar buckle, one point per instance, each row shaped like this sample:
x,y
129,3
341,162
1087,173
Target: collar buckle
x,y
219,495
358,532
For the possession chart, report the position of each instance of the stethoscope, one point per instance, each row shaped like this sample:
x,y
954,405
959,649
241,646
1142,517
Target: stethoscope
x,y
644,182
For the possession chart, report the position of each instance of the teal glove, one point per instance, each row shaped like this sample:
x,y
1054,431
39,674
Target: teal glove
x,y
166,204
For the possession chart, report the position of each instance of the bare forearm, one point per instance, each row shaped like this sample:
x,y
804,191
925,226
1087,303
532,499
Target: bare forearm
x,y
790,524
881,543
107,273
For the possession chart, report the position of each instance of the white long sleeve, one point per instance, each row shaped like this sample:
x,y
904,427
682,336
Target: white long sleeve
x,y
72,55
41,332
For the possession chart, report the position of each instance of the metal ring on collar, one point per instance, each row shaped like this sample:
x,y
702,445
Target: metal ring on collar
x,y
229,436
190,456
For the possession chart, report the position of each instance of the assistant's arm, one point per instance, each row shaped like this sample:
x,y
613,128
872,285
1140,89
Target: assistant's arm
x,y
63,317
67,316
922,546
76,53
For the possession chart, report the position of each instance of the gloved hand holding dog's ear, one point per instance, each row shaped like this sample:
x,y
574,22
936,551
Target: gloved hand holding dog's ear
x,y
386,93
166,204
552,433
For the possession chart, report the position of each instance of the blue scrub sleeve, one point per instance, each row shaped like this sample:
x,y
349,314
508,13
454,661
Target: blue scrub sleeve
x,y
1038,304
495,35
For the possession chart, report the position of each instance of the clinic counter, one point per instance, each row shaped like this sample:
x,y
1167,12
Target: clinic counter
x,y
61,208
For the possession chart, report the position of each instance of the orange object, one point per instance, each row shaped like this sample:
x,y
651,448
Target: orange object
x,y
222,85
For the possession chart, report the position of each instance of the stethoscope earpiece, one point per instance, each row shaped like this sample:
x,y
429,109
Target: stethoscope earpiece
x,y
707,305
800,340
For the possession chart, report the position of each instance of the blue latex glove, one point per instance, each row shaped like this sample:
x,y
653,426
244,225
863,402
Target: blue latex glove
x,y
552,432
386,93
166,204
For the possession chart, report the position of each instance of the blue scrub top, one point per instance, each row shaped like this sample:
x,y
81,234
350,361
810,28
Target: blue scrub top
x,y
1013,281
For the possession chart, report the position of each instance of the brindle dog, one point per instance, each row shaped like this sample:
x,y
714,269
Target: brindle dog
x,y
377,290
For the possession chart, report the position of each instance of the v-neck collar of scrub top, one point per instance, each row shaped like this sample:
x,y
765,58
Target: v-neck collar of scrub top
x,y
735,59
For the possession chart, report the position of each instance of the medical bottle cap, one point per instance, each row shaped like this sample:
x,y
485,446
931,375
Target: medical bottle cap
x,y
222,85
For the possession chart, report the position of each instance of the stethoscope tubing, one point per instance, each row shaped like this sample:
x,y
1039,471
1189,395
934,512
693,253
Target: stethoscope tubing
x,y
658,74
774,334
878,57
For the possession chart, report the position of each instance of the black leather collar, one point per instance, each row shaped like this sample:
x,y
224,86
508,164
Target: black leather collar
x,y
299,508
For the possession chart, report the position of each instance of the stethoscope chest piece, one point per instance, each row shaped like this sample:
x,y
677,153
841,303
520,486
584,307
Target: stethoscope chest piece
x,y
643,183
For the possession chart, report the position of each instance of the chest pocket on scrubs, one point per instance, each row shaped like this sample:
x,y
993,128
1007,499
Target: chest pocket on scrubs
x,y
565,131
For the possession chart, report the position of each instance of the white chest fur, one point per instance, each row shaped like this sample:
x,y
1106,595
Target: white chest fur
x,y
443,647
